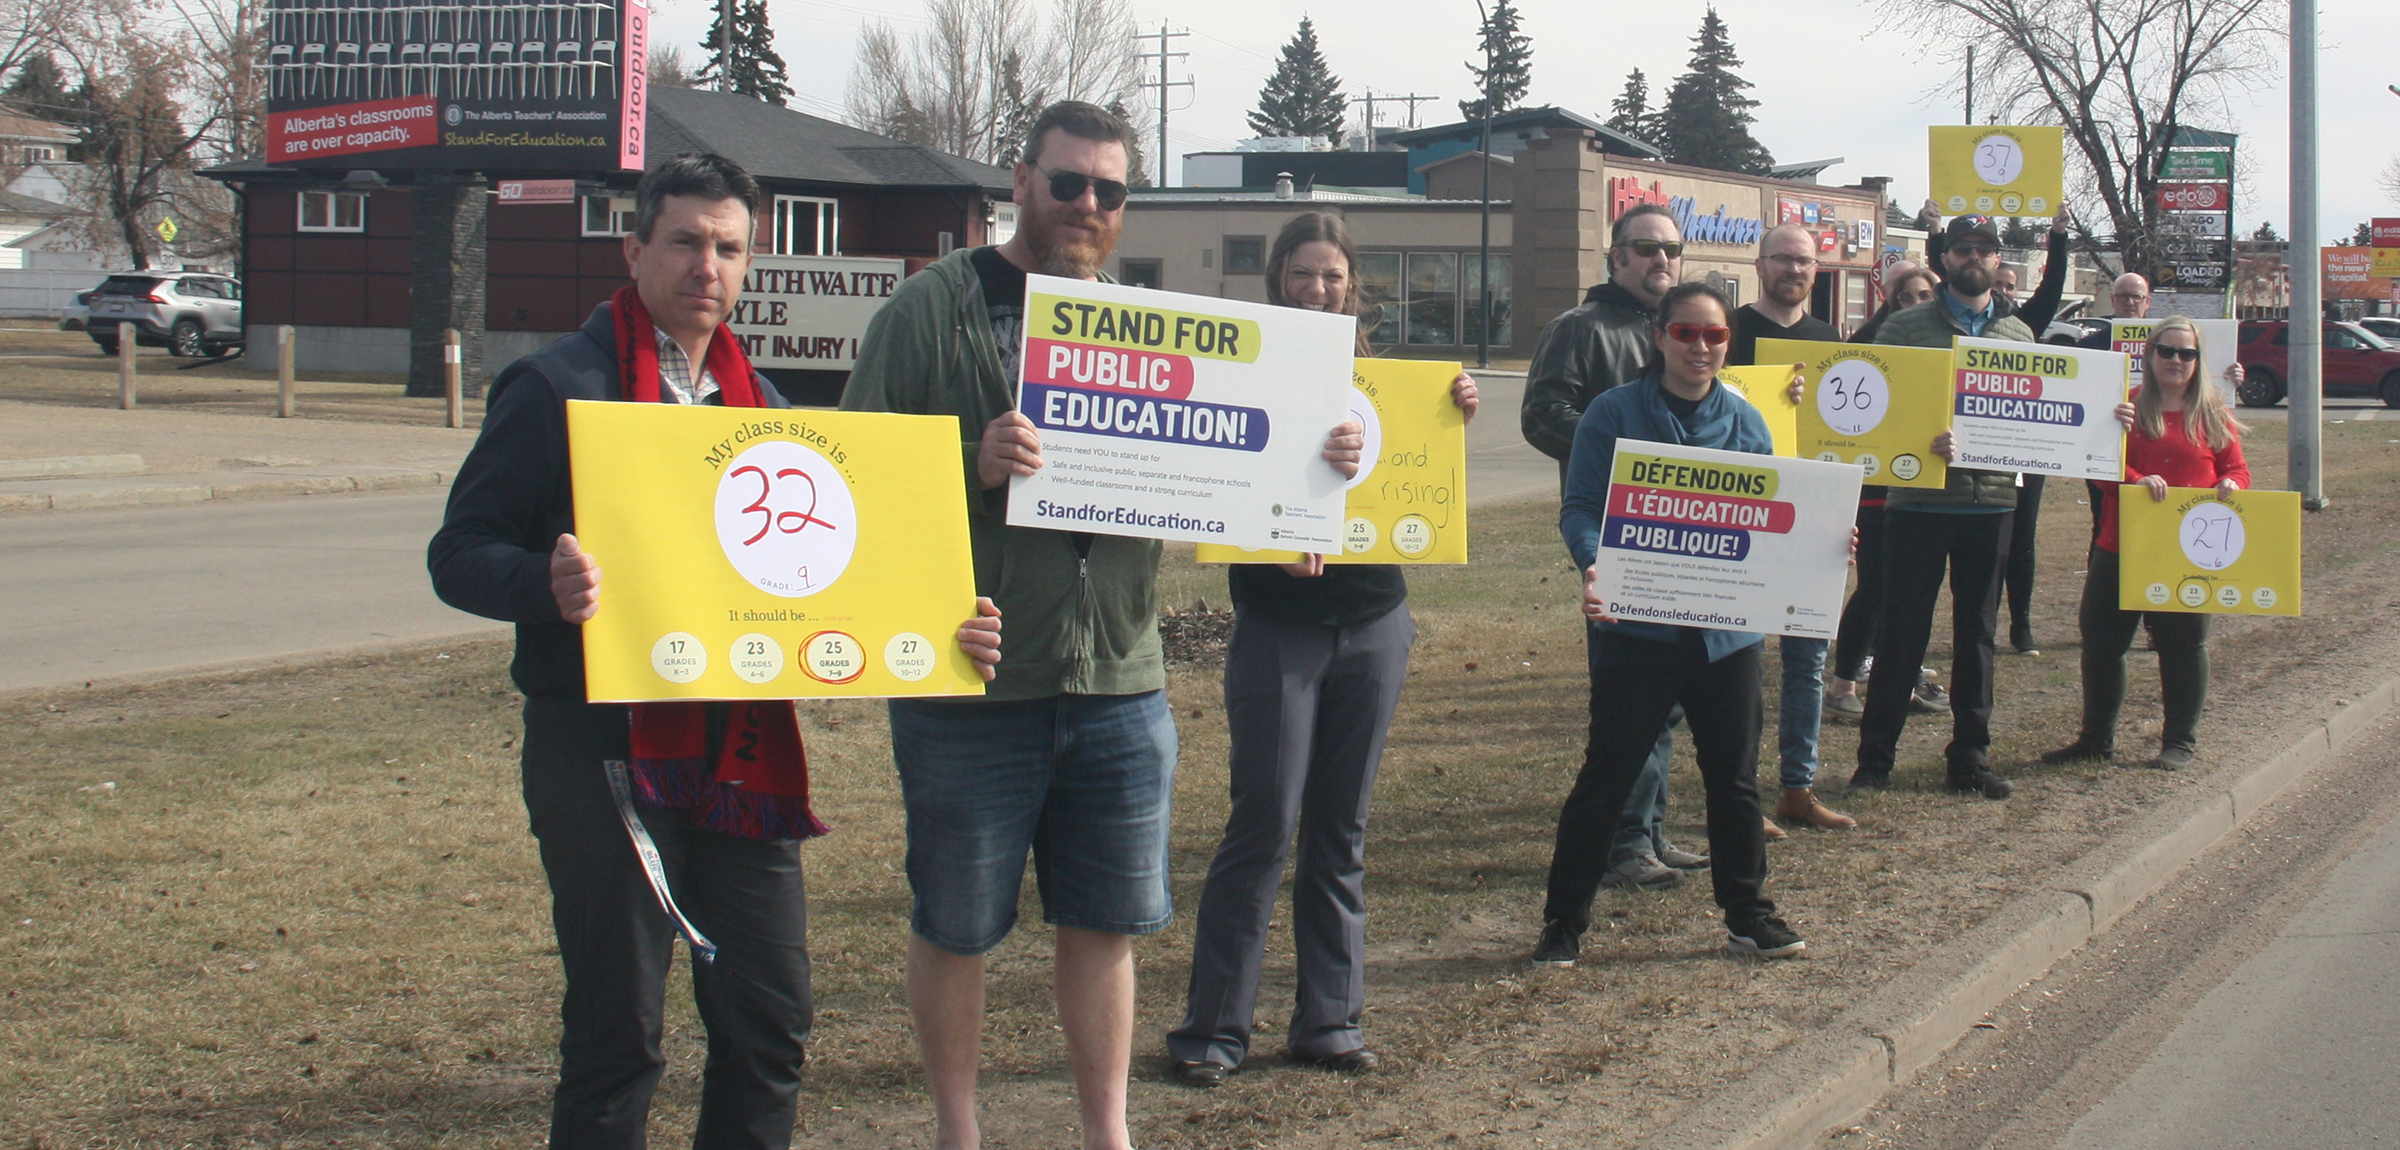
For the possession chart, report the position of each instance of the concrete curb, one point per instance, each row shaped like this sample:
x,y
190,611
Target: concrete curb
x,y
1829,1078
70,467
206,487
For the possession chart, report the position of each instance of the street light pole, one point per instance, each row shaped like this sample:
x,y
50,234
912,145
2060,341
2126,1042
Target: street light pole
x,y
2305,435
1483,264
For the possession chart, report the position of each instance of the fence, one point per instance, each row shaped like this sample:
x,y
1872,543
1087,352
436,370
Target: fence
x,y
43,292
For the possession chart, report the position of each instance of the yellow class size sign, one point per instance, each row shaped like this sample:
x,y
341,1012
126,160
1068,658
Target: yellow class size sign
x,y
1997,170
2193,552
1768,388
1408,503
754,553
1874,405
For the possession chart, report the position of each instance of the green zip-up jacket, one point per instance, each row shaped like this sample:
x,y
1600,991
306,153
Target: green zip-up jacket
x,y
1071,624
1930,324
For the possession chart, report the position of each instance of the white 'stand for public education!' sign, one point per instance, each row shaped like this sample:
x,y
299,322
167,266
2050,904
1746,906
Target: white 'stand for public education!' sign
x,y
1172,416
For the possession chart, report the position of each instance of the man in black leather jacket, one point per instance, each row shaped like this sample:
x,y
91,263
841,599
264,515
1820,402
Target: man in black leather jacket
x,y
1600,344
1604,341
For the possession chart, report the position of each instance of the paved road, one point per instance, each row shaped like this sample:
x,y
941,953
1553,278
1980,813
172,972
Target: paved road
x,y
1501,466
2254,1003
2360,410
106,593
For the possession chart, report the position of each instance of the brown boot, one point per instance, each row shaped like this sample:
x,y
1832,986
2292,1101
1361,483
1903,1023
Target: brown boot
x,y
1801,806
1774,833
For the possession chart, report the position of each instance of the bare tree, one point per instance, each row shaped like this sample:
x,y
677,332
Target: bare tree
x,y
2124,77
973,80
138,138
29,28
669,68
2389,181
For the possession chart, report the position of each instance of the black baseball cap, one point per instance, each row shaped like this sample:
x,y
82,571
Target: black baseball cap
x,y
1963,227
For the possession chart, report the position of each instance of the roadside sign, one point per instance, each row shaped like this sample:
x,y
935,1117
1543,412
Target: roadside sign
x,y
2195,197
537,191
2384,232
167,230
2215,164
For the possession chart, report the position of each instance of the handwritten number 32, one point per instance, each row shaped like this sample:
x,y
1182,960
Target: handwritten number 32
x,y
788,522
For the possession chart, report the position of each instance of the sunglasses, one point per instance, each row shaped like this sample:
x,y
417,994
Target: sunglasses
x,y
1975,251
1712,334
2186,354
1651,249
1067,187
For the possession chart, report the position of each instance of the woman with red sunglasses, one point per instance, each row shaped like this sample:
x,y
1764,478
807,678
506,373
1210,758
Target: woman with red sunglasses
x,y
1642,671
2182,436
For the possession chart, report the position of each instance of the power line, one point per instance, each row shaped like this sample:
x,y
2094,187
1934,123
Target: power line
x,y
1162,84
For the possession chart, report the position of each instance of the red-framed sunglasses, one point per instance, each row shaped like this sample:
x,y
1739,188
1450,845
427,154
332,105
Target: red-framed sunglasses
x,y
1711,334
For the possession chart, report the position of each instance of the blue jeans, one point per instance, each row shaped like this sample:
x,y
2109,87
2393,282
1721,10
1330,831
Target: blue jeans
x,y
1803,710
1082,781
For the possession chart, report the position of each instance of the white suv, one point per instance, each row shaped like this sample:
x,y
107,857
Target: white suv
x,y
191,314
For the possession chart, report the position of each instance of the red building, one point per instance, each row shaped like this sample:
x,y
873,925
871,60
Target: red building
x,y
331,253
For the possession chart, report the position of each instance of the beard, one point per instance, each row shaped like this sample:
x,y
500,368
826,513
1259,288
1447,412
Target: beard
x,y
1971,279
1066,253
1790,292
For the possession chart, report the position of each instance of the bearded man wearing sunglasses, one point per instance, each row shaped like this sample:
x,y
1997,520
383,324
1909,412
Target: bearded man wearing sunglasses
x,y
1963,527
1070,753
1601,344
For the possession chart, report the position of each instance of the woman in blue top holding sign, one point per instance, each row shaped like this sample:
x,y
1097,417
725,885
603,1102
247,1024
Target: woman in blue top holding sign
x,y
1641,671
1312,676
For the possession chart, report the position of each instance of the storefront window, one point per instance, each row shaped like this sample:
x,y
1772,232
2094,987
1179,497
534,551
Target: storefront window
x,y
1432,298
1503,284
1378,275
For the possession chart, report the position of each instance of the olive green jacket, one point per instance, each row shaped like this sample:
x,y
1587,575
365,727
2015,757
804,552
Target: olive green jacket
x,y
1930,324
1071,624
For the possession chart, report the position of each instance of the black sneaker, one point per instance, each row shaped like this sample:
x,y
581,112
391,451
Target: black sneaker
x,y
2079,751
1205,1075
1561,942
1979,779
1764,938
1867,780
2020,636
2171,759
1359,1061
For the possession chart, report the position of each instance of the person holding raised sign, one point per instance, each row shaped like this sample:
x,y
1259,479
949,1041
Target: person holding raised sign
x,y
1640,672
2182,436
1312,675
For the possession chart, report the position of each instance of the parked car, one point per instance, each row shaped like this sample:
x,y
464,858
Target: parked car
x,y
2357,363
2385,326
78,309
2071,332
191,314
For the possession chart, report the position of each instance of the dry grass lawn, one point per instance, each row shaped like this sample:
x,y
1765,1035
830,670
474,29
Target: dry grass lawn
x,y
301,908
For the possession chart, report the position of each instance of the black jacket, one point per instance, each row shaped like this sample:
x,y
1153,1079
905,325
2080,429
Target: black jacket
x,y
1600,344
513,499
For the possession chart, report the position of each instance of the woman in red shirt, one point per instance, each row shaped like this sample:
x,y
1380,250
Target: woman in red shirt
x,y
2182,436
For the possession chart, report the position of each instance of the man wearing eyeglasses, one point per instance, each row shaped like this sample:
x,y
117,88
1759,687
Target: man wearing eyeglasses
x,y
1962,527
1787,277
1599,345
1070,753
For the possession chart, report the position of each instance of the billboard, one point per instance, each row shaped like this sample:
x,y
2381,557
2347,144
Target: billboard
x,y
466,85
808,312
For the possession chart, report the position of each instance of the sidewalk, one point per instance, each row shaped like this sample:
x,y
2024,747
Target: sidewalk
x,y
188,456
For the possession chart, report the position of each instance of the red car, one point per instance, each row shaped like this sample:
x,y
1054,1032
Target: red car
x,y
2357,363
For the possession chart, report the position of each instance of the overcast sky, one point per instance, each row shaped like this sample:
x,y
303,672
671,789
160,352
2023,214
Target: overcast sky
x,y
1828,83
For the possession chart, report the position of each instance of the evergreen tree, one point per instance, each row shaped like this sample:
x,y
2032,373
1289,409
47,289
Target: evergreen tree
x,y
2266,233
1631,113
756,70
1303,97
1137,174
2021,233
1707,119
1018,109
39,89
1511,67
2363,237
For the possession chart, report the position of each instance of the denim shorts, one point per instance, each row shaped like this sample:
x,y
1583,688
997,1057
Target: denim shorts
x,y
1083,781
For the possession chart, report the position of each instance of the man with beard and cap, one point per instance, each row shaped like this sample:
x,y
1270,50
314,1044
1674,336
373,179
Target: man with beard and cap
x,y
1963,527
1070,754
1787,275
1601,344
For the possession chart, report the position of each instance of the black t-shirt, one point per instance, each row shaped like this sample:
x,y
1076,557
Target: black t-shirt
x,y
1749,327
1004,303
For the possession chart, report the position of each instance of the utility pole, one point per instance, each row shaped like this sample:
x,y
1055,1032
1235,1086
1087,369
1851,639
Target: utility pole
x,y
1369,101
2305,435
1412,100
1970,85
1483,265
1162,84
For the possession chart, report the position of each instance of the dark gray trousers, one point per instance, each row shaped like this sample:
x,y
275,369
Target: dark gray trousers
x,y
1308,707
617,945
